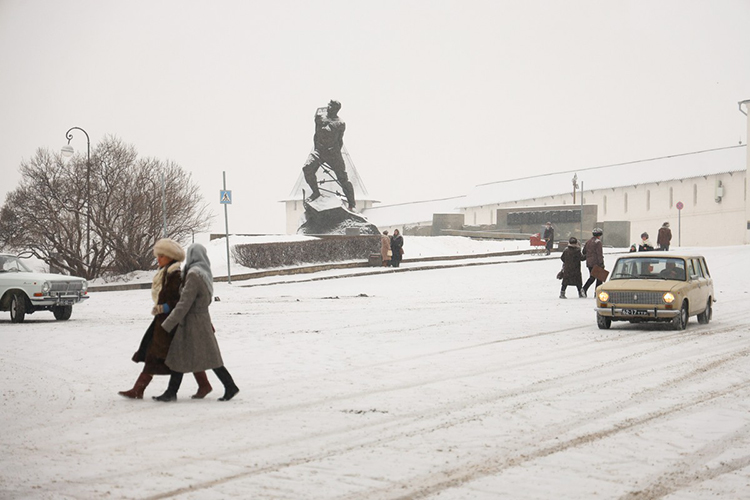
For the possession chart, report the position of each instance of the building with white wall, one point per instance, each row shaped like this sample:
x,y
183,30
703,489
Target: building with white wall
x,y
711,185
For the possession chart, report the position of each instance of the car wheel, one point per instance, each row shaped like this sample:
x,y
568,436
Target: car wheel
x,y
62,312
603,322
17,308
680,322
705,316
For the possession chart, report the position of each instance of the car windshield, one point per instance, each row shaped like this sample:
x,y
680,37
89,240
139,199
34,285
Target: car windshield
x,y
12,264
645,268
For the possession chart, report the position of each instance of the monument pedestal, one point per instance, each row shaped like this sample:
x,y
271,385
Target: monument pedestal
x,y
328,215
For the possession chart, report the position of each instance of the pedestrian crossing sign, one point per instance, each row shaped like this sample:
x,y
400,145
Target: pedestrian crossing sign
x,y
225,197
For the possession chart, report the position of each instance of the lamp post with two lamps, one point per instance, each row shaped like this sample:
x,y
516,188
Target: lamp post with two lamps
x,y
67,151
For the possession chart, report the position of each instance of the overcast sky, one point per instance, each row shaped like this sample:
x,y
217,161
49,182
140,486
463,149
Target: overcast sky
x,y
438,96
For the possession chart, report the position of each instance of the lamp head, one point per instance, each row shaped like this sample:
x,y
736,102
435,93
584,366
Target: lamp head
x,y
67,150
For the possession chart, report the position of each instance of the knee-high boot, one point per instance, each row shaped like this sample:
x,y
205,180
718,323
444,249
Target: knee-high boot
x,y
230,389
140,385
203,386
175,379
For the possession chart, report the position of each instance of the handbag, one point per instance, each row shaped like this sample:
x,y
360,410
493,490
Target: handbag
x,y
560,275
389,254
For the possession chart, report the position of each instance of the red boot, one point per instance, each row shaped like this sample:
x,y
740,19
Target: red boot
x,y
140,385
203,386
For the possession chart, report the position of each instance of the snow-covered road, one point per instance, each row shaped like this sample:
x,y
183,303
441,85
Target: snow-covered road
x,y
469,382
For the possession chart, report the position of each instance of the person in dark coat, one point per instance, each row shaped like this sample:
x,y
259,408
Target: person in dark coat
x,y
194,346
165,289
594,254
571,270
397,248
548,237
664,237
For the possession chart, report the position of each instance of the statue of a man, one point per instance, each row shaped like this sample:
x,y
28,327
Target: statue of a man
x,y
328,141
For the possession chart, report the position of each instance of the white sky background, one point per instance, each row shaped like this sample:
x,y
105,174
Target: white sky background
x,y
437,96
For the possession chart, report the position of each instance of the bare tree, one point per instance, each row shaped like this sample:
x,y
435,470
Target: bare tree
x,y
47,213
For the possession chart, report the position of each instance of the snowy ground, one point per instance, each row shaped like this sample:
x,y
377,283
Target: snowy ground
x,y
466,382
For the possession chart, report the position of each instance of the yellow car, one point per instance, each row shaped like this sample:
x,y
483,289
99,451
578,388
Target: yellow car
x,y
656,286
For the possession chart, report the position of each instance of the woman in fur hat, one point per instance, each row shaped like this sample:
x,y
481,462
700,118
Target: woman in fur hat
x,y
165,292
194,346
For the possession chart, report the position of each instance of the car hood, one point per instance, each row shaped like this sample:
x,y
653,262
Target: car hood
x,y
39,277
652,285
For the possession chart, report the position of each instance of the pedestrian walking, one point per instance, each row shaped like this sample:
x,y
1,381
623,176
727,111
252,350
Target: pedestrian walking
x,y
664,237
165,290
385,248
571,270
397,248
594,254
548,237
194,346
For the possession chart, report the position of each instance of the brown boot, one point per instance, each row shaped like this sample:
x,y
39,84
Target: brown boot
x,y
140,385
203,386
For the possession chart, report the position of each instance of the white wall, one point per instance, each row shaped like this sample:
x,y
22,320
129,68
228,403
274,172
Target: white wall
x,y
702,222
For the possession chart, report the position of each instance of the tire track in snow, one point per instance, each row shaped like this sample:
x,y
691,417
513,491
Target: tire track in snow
x,y
394,431
696,468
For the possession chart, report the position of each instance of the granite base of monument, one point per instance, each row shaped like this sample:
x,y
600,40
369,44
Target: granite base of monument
x,y
328,215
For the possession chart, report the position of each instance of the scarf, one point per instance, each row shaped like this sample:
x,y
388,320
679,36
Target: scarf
x,y
197,261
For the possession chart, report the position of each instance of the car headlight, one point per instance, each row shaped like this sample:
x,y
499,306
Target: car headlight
x,y
603,296
46,287
85,286
668,297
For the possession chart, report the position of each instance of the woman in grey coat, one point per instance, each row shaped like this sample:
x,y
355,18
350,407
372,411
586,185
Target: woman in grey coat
x,y
194,347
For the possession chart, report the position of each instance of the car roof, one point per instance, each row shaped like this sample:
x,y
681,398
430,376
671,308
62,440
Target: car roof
x,y
673,255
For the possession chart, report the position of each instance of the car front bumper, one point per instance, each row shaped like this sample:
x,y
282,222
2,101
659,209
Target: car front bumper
x,y
643,313
58,300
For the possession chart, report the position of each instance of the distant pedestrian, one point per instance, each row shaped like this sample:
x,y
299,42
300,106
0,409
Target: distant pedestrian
x,y
571,270
194,346
548,237
397,248
633,248
165,290
594,254
645,245
385,248
664,237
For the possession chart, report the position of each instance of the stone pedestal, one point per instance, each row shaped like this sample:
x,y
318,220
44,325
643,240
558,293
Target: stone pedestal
x,y
329,215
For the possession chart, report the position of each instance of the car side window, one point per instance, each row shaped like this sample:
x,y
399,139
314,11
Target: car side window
x,y
704,266
691,269
697,267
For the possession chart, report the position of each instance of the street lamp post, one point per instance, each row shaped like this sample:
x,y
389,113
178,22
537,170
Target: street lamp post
x,y
67,151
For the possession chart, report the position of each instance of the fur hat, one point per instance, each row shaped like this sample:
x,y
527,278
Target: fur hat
x,y
597,232
169,248
644,235
573,241
666,224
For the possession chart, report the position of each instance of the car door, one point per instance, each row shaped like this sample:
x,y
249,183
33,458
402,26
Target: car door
x,y
698,295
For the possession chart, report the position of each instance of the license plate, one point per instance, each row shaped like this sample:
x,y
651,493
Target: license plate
x,y
66,302
635,312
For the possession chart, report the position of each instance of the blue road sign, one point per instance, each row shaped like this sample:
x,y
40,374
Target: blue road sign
x,y
225,197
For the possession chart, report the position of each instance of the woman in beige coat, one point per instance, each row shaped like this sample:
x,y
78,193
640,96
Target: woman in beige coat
x,y
385,248
194,347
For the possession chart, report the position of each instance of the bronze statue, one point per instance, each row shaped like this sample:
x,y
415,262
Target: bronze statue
x,y
328,141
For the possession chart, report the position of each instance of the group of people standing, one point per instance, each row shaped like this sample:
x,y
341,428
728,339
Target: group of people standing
x,y
181,336
391,248
663,240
